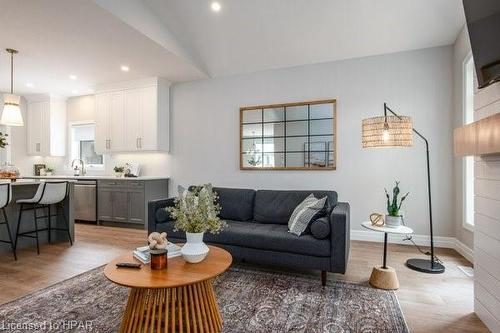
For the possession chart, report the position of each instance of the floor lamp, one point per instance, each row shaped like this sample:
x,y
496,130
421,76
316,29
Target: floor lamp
x,y
397,131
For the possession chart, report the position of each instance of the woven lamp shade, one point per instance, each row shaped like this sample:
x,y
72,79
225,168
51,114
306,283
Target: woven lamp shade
x,y
387,131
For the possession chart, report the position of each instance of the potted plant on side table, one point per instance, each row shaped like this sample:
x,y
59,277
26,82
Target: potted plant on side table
x,y
196,211
393,219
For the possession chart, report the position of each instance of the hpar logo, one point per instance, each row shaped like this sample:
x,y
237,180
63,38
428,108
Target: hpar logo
x,y
70,325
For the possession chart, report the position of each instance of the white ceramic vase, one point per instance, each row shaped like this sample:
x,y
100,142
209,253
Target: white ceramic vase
x,y
194,250
392,221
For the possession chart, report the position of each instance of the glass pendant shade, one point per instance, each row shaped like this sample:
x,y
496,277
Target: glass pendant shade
x,y
387,131
11,114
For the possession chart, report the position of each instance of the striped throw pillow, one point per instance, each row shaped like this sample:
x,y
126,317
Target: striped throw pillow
x,y
304,213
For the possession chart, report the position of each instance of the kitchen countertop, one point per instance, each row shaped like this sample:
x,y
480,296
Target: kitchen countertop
x,y
22,181
89,177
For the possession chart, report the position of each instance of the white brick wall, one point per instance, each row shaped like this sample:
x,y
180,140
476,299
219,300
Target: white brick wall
x,y
487,220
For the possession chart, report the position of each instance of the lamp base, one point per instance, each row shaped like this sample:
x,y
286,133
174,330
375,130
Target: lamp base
x,y
425,266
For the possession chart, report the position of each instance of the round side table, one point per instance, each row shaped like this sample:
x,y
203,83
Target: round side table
x,y
179,298
385,277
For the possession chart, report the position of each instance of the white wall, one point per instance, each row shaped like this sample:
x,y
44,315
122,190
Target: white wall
x,y
205,125
461,49
487,220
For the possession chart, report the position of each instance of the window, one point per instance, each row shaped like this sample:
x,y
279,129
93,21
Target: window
x,y
82,145
468,161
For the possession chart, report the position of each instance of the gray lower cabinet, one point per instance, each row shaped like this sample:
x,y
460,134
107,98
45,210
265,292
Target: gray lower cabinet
x,y
136,207
125,201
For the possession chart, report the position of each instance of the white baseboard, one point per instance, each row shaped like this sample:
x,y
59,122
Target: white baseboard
x,y
421,240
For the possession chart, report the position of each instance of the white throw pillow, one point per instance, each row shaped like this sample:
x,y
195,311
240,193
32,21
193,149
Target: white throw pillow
x,y
304,213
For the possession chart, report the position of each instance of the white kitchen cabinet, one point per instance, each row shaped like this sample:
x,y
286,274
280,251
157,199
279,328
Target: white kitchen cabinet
x,y
134,118
102,134
46,126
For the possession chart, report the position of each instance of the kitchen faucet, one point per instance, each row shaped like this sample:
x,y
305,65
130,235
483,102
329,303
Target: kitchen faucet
x,y
78,171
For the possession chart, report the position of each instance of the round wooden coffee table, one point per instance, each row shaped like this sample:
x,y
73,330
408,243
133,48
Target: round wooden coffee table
x,y
180,298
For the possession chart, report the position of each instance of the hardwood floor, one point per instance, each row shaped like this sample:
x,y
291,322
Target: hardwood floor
x,y
431,303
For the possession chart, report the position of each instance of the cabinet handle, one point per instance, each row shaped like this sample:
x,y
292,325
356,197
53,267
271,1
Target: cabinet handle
x,y
107,144
140,143
137,143
37,147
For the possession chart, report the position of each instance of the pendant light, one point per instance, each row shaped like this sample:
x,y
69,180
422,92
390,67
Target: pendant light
x,y
11,115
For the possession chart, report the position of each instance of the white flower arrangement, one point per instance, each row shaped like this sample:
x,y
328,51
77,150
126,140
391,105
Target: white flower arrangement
x,y
197,210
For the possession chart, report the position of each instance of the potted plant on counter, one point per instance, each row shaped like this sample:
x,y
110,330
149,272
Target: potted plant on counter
x,y
393,219
195,212
118,171
49,171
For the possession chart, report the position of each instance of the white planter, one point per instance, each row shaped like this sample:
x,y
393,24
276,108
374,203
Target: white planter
x,y
194,250
118,174
393,221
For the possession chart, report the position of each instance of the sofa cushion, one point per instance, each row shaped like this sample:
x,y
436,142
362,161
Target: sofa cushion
x,y
277,206
236,204
271,237
320,228
304,213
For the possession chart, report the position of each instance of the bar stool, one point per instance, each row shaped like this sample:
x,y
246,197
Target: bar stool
x,y
5,197
48,193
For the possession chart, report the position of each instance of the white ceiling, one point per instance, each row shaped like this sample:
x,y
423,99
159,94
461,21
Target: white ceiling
x,y
56,38
184,40
253,35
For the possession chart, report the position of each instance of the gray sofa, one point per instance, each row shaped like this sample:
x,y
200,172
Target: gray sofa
x,y
257,229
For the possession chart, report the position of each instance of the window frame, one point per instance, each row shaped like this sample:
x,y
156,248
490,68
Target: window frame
x,y
466,160
94,167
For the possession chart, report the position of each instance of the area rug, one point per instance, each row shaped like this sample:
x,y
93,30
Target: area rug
x,y
250,301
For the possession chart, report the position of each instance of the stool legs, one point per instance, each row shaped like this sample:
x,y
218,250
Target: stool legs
x,y
49,221
36,230
37,217
65,221
12,245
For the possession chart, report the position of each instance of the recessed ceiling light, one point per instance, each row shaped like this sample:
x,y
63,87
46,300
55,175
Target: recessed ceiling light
x,y
215,6
29,85
124,68
73,77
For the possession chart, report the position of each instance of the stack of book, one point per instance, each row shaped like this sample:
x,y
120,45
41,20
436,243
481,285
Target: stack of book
x,y
142,253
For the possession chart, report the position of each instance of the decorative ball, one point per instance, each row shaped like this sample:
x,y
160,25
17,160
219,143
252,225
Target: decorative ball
x,y
377,219
158,241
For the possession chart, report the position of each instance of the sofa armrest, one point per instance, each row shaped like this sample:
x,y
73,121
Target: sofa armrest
x,y
340,237
153,207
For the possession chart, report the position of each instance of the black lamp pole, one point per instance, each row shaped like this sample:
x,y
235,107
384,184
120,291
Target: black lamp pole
x,y
423,265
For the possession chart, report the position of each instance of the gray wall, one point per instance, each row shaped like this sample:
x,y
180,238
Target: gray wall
x,y
205,131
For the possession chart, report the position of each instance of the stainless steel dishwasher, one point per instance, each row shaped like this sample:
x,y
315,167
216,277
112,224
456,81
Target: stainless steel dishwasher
x,y
86,200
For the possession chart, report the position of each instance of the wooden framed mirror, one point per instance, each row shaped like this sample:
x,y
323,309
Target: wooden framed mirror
x,y
292,136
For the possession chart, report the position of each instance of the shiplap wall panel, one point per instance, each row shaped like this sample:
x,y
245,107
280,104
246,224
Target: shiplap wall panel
x,y
487,188
488,244
486,262
488,279
484,295
486,96
487,225
488,207
487,170
486,317
487,212
487,110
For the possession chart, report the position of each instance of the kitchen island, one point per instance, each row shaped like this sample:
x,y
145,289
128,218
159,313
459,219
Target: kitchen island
x,y
25,189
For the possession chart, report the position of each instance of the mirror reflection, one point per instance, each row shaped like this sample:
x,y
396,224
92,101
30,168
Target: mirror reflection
x,y
299,136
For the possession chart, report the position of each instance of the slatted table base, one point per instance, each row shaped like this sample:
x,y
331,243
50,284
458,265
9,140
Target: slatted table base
x,y
189,309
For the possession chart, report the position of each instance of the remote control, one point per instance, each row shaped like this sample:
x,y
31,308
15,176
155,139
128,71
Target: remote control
x,y
128,265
